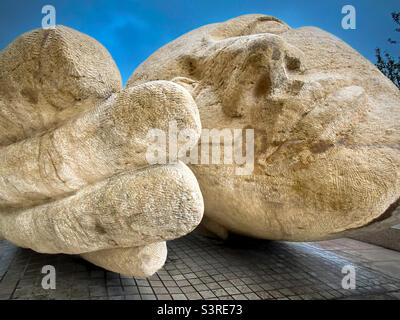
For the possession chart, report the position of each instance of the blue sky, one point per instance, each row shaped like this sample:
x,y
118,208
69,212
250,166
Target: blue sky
x,y
131,30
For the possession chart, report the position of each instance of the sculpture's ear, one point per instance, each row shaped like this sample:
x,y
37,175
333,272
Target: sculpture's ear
x,y
189,84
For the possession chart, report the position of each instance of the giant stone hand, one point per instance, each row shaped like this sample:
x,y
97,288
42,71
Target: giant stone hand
x,y
74,177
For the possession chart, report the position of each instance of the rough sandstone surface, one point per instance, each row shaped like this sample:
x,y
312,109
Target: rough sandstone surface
x,y
326,123
73,172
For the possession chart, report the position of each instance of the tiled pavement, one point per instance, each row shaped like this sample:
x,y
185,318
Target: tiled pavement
x,y
202,268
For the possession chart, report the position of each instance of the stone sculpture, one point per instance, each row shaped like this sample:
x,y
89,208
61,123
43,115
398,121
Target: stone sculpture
x,y
326,128
74,177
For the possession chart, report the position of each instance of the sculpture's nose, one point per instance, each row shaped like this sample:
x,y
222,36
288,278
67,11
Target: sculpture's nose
x,y
265,68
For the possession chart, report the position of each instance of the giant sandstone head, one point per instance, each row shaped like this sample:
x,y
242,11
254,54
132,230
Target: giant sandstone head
x,y
326,127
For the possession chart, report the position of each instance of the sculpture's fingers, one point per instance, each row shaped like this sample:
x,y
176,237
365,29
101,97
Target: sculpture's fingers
x,y
139,262
48,76
129,210
109,139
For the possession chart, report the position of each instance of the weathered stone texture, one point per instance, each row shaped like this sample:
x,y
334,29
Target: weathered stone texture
x,y
326,123
73,171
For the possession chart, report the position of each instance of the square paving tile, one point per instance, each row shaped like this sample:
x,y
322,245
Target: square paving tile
x,y
202,268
